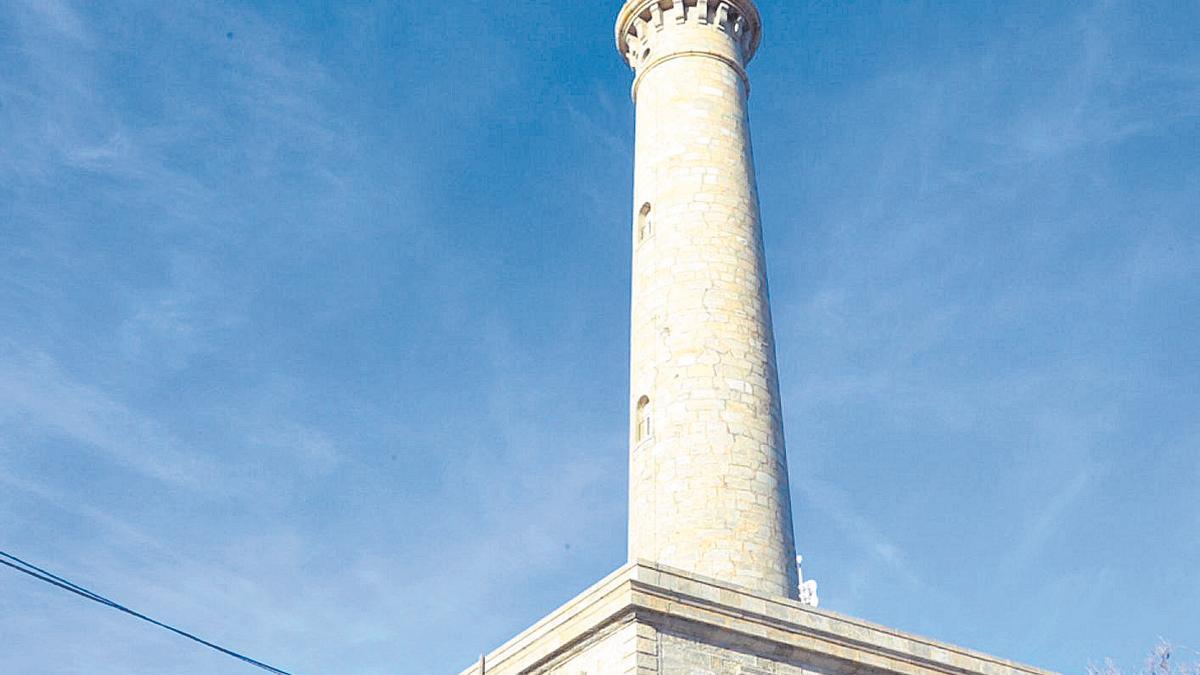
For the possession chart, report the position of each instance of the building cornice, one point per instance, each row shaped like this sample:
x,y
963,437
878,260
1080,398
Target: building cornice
x,y
665,597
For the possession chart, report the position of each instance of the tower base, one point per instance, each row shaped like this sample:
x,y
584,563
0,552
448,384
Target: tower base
x,y
646,619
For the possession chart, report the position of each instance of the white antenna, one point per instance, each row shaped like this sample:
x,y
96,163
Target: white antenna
x,y
808,589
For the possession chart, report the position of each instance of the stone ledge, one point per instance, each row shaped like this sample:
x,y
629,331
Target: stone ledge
x,y
584,615
700,600
658,596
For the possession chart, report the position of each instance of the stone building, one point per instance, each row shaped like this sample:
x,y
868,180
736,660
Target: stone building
x,y
712,585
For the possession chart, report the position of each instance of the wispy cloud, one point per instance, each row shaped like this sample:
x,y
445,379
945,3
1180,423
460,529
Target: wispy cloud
x,y
37,396
114,528
838,507
287,355
977,244
1048,519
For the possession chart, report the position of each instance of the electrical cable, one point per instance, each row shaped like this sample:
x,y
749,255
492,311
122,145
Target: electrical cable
x,y
55,580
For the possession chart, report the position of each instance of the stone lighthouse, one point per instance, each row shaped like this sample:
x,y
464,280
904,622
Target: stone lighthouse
x,y
710,587
708,489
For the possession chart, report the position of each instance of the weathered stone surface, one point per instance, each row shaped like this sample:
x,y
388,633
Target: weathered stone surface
x,y
708,475
647,619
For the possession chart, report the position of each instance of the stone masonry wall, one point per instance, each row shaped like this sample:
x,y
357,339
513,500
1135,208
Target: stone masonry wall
x,y
708,474
614,652
682,655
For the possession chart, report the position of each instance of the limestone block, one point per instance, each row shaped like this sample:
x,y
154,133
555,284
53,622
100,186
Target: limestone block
x,y
711,495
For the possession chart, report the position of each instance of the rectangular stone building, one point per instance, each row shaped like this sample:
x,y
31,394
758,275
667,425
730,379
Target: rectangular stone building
x,y
646,619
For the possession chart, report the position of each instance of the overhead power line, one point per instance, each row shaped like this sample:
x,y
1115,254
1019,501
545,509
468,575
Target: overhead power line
x,y
55,580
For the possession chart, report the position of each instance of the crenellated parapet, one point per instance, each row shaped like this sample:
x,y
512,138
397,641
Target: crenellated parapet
x,y
650,30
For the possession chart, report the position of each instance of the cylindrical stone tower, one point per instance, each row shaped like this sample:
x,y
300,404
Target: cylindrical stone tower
x,y
708,486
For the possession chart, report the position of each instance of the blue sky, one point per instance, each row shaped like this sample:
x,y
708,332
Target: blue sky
x,y
313,322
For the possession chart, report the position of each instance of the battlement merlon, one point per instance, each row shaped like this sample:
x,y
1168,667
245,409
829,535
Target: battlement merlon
x,y
648,31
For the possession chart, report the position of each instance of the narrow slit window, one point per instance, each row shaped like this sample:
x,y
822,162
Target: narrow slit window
x,y
645,423
645,223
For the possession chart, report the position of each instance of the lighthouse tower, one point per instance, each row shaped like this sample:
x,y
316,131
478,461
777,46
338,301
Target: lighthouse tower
x,y
711,585
708,488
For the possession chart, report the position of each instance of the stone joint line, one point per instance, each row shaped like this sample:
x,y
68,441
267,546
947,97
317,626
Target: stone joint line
x,y
645,69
